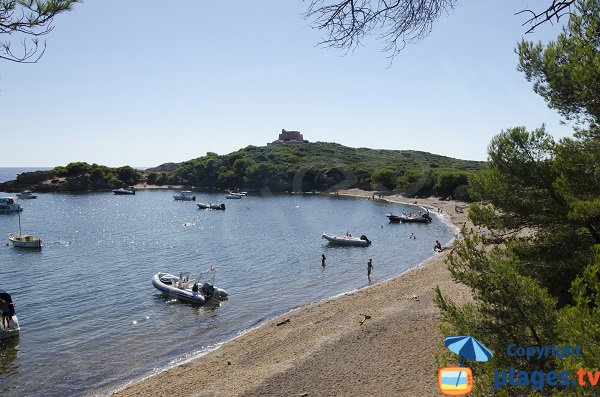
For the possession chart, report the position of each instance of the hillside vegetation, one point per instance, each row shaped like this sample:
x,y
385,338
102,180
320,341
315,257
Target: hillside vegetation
x,y
301,167
324,166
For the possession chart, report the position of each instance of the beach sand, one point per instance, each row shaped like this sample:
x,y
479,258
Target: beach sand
x,y
322,349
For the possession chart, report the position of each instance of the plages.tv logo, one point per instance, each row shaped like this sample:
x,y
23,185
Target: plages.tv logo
x,y
458,381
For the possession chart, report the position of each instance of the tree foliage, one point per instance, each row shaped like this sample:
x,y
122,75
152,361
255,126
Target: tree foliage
x,y
539,203
566,72
25,21
326,166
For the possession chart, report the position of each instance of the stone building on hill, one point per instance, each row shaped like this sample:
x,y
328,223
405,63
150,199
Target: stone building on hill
x,y
289,137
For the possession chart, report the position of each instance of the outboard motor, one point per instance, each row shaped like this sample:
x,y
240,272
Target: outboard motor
x,y
363,237
208,289
222,206
427,216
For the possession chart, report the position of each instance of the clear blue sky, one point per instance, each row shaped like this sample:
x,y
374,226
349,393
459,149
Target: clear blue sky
x,y
147,82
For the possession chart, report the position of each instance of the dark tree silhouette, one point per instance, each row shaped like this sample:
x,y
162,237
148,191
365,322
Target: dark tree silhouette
x,y
396,22
25,21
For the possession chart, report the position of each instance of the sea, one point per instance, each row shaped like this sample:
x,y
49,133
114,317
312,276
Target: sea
x,y
91,321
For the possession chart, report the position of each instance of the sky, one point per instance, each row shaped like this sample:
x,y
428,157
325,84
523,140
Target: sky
x,y
144,82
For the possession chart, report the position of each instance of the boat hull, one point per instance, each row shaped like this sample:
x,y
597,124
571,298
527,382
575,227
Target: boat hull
x,y
186,295
9,204
408,219
393,218
25,241
205,293
342,240
12,331
123,192
26,196
208,206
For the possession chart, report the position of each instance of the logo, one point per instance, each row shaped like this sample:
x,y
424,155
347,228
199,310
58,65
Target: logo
x,y
455,381
458,381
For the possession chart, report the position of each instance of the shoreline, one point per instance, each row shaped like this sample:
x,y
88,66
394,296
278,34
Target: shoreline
x,y
315,350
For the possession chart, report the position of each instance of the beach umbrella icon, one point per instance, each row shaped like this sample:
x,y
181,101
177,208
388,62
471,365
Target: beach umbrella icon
x,y
468,347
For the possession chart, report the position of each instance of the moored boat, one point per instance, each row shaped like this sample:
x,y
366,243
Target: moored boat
x,y
10,323
124,191
185,195
26,195
210,206
9,204
393,218
24,241
424,218
184,289
361,241
234,196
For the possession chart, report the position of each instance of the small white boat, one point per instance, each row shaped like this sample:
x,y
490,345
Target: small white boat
x,y
26,195
186,290
9,325
185,195
122,191
361,241
25,241
9,204
210,206
233,196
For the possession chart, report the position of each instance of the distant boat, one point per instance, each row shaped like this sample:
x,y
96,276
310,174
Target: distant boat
x,y
425,218
187,290
26,195
185,195
124,191
9,204
234,196
10,328
361,241
24,241
210,206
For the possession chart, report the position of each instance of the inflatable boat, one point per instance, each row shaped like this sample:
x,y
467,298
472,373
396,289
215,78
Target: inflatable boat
x,y
184,289
363,241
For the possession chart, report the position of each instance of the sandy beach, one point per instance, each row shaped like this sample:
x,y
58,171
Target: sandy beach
x,y
379,340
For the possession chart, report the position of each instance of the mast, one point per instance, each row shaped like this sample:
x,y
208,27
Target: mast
x,y
19,212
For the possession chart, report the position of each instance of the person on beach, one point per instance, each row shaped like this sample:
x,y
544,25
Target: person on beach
x,y
438,246
323,260
369,267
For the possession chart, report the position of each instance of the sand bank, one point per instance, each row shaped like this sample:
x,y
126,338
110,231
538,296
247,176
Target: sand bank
x,y
322,349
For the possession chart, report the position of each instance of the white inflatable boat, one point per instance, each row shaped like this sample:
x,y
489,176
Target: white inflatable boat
x,y
363,241
189,291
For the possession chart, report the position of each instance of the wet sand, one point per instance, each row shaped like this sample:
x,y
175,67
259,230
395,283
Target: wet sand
x,y
378,340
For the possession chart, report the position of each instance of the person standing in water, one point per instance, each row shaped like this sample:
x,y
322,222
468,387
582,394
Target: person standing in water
x,y
369,267
323,260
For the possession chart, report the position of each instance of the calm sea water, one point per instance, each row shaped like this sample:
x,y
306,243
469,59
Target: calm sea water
x,y
91,319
